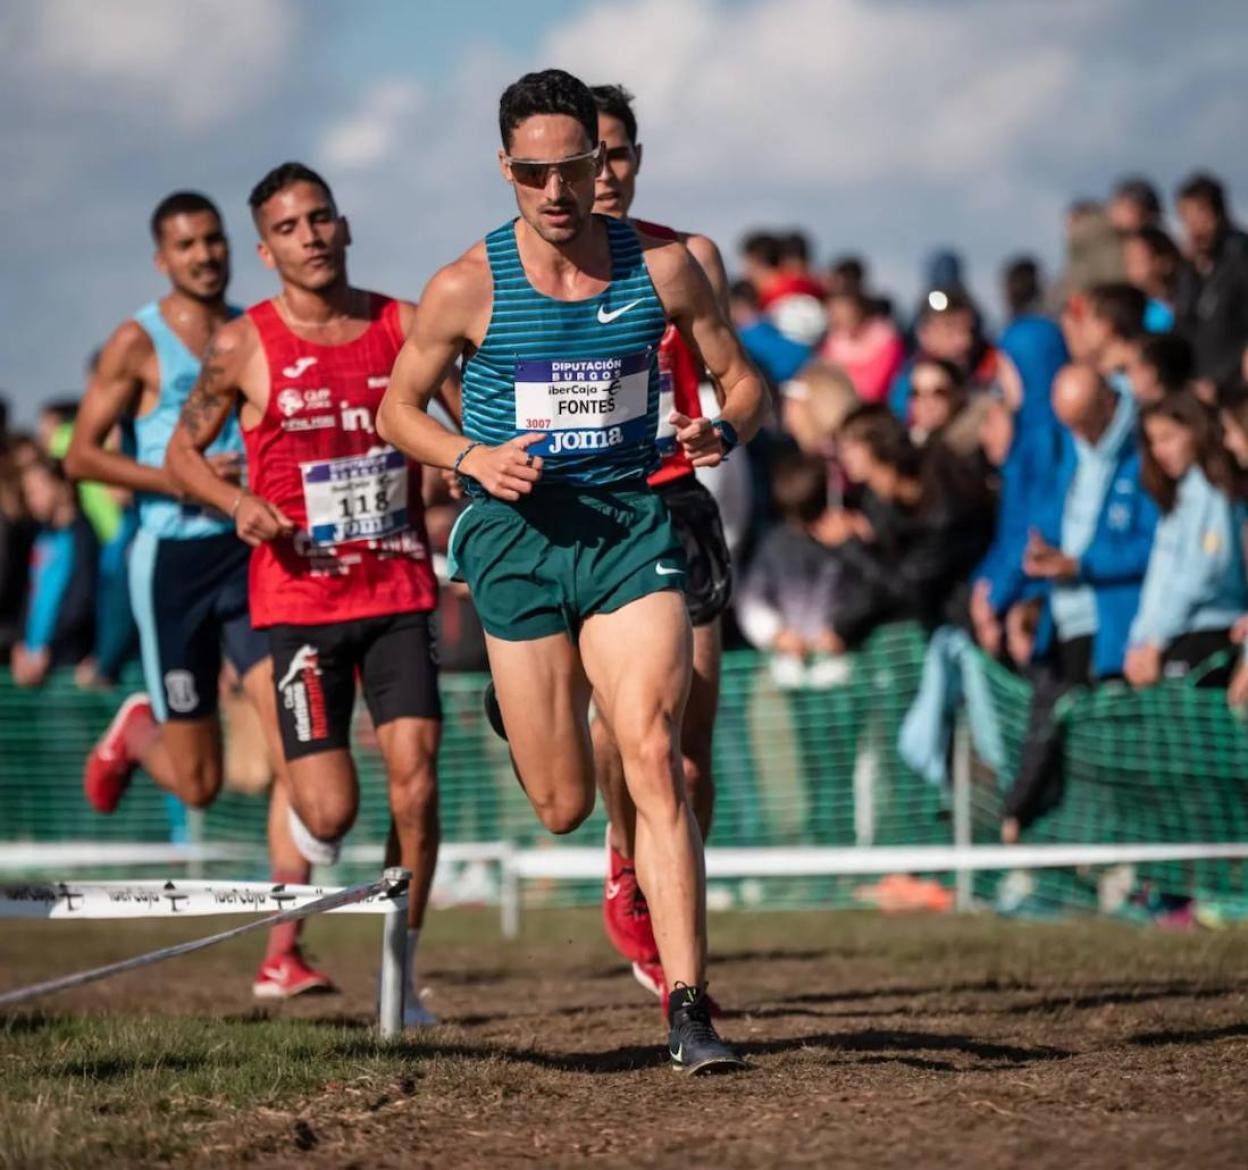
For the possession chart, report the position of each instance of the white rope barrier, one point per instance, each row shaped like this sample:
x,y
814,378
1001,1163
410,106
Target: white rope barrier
x,y
580,864
387,896
174,899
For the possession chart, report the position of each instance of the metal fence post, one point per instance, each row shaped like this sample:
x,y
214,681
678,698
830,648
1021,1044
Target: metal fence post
x,y
394,960
509,892
962,836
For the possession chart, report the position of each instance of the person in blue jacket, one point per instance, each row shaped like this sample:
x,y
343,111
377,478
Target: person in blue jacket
x,y
1088,555
1036,351
1195,588
58,626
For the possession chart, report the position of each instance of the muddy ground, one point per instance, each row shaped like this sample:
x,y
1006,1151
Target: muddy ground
x,y
874,1041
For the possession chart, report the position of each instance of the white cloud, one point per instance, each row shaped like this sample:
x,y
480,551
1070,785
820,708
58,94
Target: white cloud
x,y
368,137
196,62
886,127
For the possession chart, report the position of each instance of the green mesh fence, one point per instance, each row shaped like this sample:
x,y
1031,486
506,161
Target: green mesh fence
x,y
804,767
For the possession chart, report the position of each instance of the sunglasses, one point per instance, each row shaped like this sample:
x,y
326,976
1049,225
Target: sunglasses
x,y
579,168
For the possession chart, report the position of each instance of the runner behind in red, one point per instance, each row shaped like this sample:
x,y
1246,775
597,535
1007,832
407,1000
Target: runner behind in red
x,y
679,376
356,501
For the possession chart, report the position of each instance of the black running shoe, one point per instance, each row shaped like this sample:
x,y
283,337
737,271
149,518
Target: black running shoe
x,y
493,712
693,1044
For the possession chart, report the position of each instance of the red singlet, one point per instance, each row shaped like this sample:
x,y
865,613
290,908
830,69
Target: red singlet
x,y
679,376
361,549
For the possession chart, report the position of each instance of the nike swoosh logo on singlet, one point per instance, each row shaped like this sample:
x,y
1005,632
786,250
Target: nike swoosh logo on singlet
x,y
606,318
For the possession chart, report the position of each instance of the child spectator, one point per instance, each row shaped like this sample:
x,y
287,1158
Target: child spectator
x,y
59,623
788,594
1195,588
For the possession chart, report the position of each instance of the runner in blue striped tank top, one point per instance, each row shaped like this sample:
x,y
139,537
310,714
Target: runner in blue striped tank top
x,y
569,555
187,567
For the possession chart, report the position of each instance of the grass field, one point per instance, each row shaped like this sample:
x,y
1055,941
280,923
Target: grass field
x,y
875,1041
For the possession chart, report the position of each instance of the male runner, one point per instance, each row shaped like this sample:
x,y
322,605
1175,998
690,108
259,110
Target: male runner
x,y
570,556
340,569
188,570
708,584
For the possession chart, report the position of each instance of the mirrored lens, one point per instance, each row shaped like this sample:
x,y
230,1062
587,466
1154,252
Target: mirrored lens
x,y
578,169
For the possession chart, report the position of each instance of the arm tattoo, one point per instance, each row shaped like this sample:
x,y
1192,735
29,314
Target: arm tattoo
x,y
202,409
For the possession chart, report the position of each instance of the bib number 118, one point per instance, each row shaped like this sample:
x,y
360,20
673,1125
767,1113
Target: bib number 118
x,y
361,504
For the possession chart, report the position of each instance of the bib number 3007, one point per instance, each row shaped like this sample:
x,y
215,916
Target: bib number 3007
x,y
359,497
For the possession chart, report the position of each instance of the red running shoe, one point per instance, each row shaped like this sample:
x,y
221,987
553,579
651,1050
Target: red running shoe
x,y
289,975
109,767
625,913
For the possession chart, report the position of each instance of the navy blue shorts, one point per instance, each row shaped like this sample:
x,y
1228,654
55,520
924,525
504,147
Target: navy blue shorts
x,y
190,604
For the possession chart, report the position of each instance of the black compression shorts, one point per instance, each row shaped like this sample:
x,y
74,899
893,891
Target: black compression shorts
x,y
314,671
695,517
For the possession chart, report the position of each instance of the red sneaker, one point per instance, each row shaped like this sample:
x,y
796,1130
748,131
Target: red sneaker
x,y
288,975
625,913
108,769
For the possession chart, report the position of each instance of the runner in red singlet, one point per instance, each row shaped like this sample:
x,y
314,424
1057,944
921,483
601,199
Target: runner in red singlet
x,y
340,569
708,585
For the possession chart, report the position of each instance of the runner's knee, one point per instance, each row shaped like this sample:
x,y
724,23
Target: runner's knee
x,y
414,792
563,812
328,819
650,764
200,780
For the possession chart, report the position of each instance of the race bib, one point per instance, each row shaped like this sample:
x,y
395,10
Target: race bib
x,y
358,497
584,405
665,434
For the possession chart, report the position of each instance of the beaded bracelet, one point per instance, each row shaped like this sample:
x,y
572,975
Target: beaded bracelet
x,y
463,455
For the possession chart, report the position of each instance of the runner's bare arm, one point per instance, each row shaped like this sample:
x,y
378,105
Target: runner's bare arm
x,y
215,396
437,338
112,394
690,302
448,394
706,252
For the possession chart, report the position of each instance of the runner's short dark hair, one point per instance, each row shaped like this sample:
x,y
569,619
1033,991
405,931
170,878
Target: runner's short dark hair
x,y
179,203
281,177
1122,305
1204,187
552,91
616,102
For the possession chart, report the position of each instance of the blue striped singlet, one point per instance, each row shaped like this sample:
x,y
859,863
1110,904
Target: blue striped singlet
x,y
583,373
159,515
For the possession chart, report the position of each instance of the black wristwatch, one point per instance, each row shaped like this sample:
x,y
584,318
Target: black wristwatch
x,y
727,434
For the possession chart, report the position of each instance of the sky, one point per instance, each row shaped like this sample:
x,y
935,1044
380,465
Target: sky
x,y
886,128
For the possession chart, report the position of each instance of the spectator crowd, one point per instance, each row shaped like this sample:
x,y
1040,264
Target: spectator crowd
x,y
1069,494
